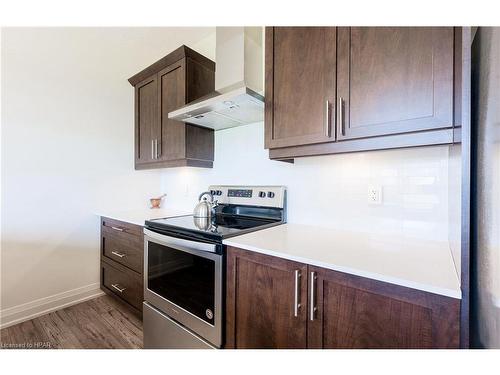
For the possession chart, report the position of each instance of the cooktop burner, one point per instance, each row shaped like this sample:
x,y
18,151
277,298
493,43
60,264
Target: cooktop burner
x,y
218,227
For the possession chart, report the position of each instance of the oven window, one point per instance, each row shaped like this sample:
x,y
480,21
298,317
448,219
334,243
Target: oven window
x,y
184,279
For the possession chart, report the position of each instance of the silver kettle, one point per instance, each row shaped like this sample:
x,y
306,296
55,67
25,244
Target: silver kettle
x,y
205,208
203,223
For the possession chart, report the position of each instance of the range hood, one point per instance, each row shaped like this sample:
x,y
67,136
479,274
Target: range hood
x,y
237,99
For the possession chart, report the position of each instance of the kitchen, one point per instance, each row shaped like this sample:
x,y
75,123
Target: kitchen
x,y
314,185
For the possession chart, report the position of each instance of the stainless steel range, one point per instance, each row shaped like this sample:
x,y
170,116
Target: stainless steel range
x,y
185,259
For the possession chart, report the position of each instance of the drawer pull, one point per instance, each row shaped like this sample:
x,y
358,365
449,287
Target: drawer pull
x,y
120,255
118,229
117,287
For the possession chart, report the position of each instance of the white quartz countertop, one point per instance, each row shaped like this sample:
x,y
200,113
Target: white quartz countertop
x,y
139,216
418,264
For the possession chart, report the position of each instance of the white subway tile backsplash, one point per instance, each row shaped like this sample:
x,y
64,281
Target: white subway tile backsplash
x,y
332,190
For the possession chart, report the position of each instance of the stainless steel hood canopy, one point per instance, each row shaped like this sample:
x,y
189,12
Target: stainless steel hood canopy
x,y
239,75
225,109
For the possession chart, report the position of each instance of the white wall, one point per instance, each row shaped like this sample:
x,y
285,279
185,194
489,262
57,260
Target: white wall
x,y
331,190
67,151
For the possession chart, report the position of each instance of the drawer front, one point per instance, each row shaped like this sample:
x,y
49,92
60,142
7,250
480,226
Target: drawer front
x,y
121,227
123,243
123,248
124,284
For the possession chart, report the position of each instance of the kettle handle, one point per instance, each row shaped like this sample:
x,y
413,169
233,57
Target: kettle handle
x,y
206,193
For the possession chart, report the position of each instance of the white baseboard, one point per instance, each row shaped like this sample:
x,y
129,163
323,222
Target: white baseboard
x,y
42,306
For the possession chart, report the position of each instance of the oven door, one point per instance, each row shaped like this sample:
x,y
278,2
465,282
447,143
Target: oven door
x,y
183,279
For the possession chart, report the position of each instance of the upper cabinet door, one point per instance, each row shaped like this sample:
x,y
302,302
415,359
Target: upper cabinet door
x,y
300,85
146,120
172,95
393,80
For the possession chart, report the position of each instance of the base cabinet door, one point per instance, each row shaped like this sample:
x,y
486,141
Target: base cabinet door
x,y
266,300
351,312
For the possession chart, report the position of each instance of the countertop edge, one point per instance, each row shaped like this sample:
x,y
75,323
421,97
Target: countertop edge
x,y
128,217
128,221
456,294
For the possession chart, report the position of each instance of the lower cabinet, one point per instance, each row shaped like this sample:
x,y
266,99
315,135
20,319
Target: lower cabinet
x,y
265,302
276,303
123,284
122,253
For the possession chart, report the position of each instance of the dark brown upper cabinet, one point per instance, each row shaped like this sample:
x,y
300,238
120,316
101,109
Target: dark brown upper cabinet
x,y
333,90
170,83
394,80
146,120
301,92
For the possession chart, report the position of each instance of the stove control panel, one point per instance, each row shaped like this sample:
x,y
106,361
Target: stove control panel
x,y
264,196
241,193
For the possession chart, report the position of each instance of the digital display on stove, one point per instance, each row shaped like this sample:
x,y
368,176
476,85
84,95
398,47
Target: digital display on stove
x,y
240,193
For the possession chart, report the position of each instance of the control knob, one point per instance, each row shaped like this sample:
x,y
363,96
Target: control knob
x,y
270,194
262,194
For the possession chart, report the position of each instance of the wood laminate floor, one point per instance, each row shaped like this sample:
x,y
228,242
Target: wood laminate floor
x,y
101,323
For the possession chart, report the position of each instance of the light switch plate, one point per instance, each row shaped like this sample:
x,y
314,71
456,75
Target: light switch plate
x,y
375,195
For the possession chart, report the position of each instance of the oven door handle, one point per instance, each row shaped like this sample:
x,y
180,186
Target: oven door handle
x,y
193,247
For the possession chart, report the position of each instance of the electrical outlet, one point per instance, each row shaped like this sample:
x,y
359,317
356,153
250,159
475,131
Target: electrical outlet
x,y
375,195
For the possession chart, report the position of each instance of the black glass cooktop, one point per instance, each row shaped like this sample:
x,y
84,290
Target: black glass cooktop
x,y
221,226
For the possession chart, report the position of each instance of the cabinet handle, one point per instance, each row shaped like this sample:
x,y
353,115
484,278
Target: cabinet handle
x,y
327,118
312,308
296,302
118,229
117,287
156,149
152,149
341,115
121,255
